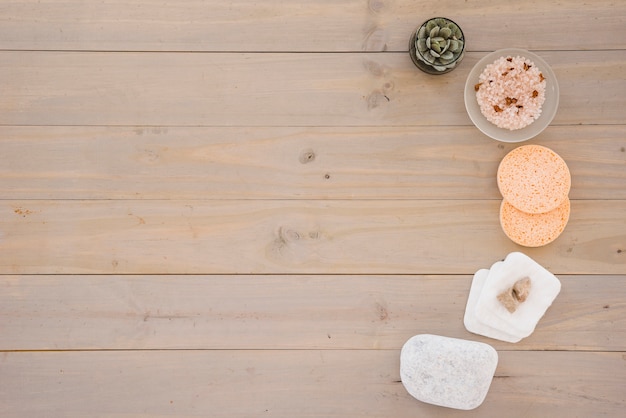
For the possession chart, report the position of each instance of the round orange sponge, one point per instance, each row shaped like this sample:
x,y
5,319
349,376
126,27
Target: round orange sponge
x,y
534,179
533,230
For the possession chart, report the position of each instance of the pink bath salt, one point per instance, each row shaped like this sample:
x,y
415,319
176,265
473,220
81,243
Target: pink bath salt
x,y
510,92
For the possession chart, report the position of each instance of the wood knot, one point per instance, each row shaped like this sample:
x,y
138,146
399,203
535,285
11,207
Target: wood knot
x,y
515,295
149,156
376,5
375,68
307,156
381,310
286,235
375,40
23,212
376,99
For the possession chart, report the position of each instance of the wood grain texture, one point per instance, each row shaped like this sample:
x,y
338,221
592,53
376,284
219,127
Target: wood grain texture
x,y
290,383
284,312
325,237
301,25
244,208
271,89
289,163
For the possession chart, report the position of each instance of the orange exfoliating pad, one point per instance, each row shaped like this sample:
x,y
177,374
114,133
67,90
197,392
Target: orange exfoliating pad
x,y
534,179
533,230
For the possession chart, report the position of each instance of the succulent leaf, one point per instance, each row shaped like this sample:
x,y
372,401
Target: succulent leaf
x,y
421,33
445,48
445,32
448,55
421,45
429,58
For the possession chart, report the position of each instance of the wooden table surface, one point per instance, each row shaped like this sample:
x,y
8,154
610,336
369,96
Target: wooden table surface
x,y
245,208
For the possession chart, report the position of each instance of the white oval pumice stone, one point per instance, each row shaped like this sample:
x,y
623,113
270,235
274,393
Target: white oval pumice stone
x,y
446,371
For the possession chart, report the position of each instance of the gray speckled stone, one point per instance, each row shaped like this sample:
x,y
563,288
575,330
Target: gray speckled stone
x,y
447,371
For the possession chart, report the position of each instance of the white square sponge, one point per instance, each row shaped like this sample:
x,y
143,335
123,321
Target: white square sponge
x,y
486,315
472,324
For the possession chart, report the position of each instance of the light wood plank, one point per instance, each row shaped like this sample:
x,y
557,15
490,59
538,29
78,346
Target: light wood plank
x,y
398,237
284,383
301,25
284,312
61,88
289,163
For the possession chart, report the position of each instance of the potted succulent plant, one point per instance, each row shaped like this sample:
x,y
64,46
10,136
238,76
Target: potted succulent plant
x,y
437,46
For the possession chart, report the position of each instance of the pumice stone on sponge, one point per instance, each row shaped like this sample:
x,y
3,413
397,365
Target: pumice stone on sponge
x,y
507,302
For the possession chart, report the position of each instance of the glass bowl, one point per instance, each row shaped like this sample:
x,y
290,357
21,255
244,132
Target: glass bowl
x,y
548,109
